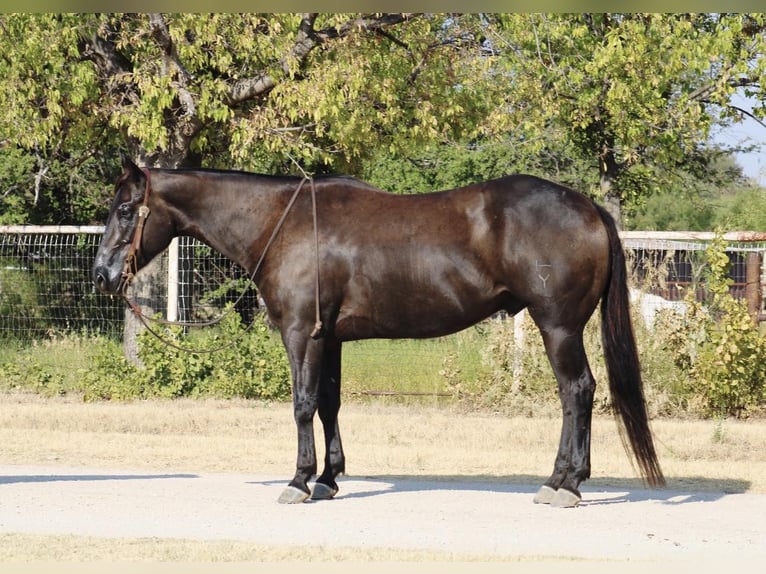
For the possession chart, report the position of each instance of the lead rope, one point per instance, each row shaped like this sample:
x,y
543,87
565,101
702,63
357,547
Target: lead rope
x,y
318,330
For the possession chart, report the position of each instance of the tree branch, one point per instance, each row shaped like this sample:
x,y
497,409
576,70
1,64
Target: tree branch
x,y
392,38
103,53
171,61
369,22
748,114
39,174
702,92
306,40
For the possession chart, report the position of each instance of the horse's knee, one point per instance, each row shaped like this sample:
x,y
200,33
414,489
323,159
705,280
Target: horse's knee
x,y
304,410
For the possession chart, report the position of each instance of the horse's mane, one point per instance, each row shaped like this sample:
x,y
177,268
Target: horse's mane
x,y
322,178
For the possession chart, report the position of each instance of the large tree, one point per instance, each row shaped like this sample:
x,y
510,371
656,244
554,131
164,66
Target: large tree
x,y
186,88
53,141
633,94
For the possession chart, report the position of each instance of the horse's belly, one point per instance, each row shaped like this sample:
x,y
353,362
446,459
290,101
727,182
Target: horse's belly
x,y
396,315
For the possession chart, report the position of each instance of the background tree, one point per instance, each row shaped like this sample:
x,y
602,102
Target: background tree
x,y
237,90
697,202
53,144
628,99
635,94
453,164
244,88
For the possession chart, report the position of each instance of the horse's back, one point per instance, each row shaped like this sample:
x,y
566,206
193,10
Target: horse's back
x,y
425,265
524,199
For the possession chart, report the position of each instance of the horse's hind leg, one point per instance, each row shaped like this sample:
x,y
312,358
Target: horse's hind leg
x,y
329,405
576,387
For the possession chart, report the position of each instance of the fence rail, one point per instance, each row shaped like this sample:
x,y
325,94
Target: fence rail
x,y
45,283
668,264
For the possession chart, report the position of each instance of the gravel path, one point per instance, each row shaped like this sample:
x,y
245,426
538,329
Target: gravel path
x,y
487,519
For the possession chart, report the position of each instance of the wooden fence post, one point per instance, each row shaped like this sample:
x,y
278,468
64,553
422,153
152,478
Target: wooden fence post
x,y
172,304
518,348
753,292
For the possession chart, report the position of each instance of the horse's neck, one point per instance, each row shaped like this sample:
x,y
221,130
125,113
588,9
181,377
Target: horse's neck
x,y
221,218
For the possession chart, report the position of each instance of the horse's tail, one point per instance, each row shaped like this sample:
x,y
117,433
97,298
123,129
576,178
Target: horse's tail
x,y
622,362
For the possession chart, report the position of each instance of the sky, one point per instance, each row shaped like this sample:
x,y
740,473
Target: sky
x,y
748,131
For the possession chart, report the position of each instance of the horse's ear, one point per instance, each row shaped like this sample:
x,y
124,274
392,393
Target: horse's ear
x,y
127,164
130,168
131,173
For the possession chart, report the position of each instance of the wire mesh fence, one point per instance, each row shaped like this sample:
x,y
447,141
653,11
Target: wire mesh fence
x,y
666,267
45,283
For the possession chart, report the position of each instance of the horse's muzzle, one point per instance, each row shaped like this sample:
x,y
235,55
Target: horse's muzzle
x,y
101,280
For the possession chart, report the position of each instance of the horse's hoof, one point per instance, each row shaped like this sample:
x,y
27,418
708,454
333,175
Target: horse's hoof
x,y
565,499
323,492
545,495
292,495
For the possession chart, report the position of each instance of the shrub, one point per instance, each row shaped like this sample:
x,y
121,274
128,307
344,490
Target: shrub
x,y
513,377
519,379
224,362
50,366
718,346
19,299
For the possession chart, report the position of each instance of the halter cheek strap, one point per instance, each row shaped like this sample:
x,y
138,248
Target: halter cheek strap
x,y
131,261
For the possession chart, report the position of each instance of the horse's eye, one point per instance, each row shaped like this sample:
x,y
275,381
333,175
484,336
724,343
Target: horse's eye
x,y
124,210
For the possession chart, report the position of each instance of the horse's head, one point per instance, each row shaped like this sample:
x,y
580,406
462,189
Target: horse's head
x,y
131,236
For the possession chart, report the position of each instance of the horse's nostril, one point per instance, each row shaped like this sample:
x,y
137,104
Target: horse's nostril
x,y
100,280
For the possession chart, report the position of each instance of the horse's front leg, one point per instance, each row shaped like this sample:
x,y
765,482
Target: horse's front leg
x,y
304,355
329,405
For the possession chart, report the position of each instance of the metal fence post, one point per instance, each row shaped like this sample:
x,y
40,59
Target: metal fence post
x,y
172,304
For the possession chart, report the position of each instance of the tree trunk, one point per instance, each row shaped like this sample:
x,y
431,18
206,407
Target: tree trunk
x,y
608,171
150,285
148,290
612,202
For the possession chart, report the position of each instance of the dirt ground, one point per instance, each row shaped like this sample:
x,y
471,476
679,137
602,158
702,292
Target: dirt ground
x,y
484,519
198,481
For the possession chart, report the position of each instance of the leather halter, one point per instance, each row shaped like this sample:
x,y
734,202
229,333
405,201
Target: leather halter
x,y
130,268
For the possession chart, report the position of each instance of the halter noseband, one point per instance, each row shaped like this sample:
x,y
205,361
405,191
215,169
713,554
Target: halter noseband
x,y
130,268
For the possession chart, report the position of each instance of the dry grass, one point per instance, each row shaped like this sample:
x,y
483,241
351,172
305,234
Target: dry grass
x,y
241,436
66,548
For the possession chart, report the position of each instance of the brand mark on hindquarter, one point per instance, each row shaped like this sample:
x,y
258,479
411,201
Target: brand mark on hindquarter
x,y
543,277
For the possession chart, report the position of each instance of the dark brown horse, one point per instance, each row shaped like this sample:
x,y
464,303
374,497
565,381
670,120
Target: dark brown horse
x,y
374,264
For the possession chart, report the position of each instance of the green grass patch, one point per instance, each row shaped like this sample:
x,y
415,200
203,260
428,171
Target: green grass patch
x,y
51,366
412,370
481,368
